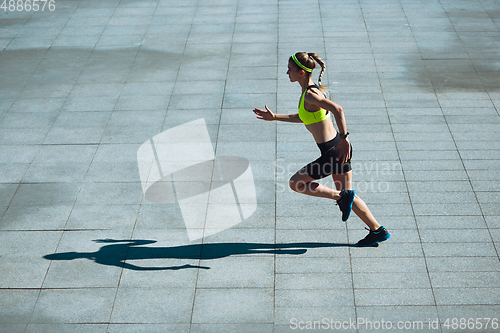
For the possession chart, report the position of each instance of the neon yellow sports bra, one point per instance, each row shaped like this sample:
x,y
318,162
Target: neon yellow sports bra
x,y
311,117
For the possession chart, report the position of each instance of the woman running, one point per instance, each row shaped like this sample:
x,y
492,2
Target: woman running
x,y
335,159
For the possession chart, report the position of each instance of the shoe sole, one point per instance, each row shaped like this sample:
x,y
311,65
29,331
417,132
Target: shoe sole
x,y
352,194
375,244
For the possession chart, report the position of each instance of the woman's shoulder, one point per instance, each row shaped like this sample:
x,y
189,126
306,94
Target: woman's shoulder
x,y
313,93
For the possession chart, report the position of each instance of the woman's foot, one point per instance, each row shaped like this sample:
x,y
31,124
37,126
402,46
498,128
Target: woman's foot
x,y
374,237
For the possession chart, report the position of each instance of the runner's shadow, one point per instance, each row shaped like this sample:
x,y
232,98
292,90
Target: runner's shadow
x,y
121,251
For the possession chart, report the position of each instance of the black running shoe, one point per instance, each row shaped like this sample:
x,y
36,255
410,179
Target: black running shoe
x,y
345,203
374,237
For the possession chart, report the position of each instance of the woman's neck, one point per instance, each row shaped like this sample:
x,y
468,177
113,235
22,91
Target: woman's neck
x,y
306,83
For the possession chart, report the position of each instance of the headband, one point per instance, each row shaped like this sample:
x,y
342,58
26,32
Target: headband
x,y
300,65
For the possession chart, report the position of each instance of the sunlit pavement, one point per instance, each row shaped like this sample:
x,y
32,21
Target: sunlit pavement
x,y
84,84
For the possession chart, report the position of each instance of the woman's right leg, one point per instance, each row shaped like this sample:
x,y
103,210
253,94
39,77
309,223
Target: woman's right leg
x,y
359,207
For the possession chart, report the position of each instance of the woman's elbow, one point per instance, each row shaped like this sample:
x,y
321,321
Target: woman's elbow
x,y
338,111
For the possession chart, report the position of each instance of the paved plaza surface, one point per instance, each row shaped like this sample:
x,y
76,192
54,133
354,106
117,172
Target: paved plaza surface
x,y
85,85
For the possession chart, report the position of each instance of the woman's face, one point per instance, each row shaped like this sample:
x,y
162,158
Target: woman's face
x,y
293,72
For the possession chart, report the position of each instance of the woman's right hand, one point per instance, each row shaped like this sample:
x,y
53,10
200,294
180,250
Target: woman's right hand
x,y
264,114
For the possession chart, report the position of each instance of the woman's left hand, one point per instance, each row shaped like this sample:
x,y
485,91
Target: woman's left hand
x,y
345,150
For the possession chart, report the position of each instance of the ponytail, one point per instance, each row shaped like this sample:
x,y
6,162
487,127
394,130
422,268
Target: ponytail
x,y
323,67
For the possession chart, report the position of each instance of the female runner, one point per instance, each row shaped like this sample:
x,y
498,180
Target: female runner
x,y
335,159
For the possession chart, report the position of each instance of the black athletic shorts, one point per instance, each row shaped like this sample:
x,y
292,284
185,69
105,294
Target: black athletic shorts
x,y
327,164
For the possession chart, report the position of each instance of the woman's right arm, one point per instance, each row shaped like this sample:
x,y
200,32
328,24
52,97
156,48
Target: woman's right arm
x,y
269,116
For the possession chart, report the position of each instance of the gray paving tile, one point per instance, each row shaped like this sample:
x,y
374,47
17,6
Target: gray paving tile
x,y
35,217
454,250
23,136
444,197
109,193
307,324
159,217
102,217
46,194
69,136
67,328
244,235
462,264
253,151
468,311
301,223
23,271
56,172
427,145
14,328
247,272
312,265
77,103
371,297
313,298
492,222
73,306
295,317
291,209
466,296
153,328
440,222
448,186
142,305
395,265
17,305
447,209
450,235
247,133
464,279
395,314
13,173
227,328
8,191
490,185
490,209
233,306
312,281
391,281
81,274
111,172
28,120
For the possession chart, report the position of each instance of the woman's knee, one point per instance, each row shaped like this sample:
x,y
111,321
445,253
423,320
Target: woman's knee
x,y
297,185
293,184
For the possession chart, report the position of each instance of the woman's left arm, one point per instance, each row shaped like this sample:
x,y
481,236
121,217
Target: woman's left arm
x,y
333,107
